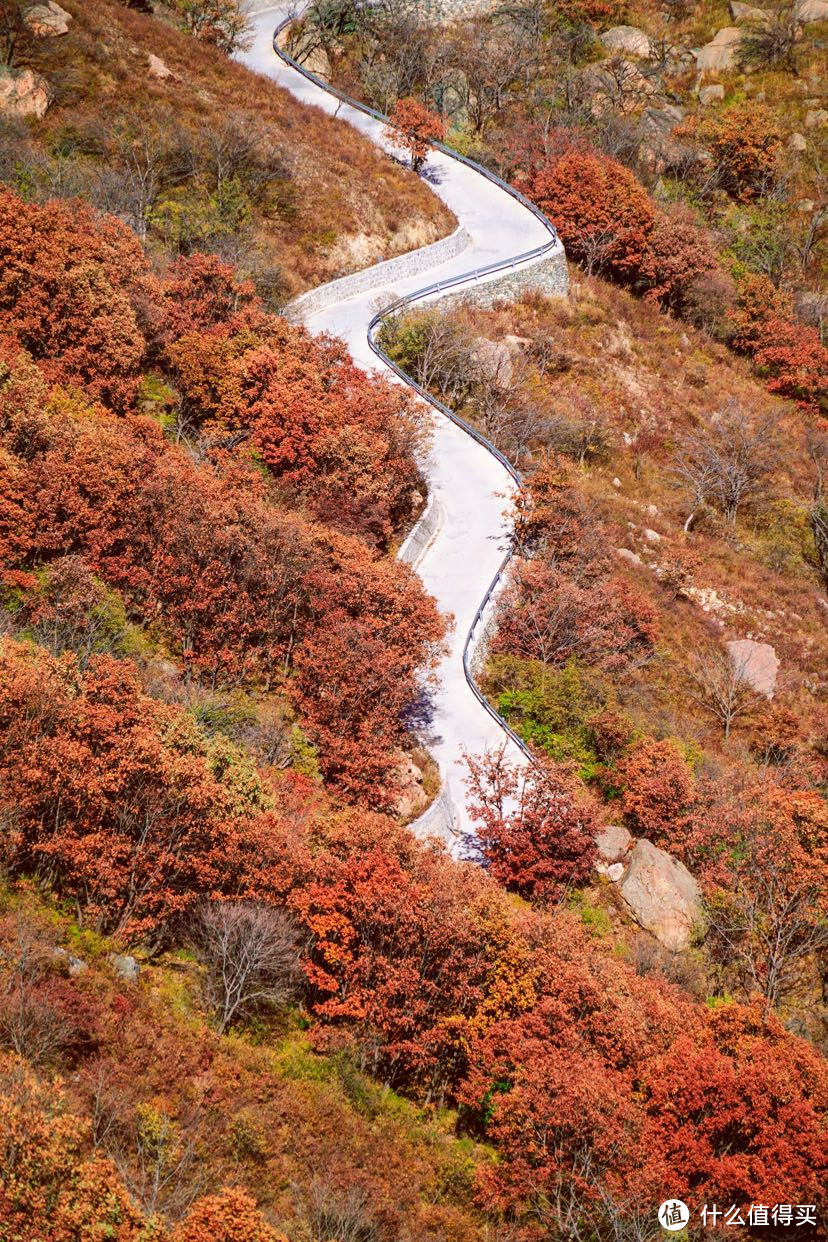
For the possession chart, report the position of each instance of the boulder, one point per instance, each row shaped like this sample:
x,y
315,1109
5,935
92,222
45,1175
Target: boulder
x,y
75,965
807,11
757,663
719,55
47,20
709,94
125,967
412,796
613,843
815,117
628,39
632,558
24,93
157,68
747,13
493,360
661,122
662,895
652,536
797,142
615,871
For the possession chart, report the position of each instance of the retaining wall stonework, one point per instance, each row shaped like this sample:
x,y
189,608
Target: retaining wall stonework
x,y
378,276
422,532
549,276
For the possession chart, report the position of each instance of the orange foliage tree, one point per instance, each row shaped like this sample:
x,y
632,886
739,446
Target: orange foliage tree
x,y
414,127
244,590
546,615
72,285
744,144
229,1216
658,791
790,355
602,213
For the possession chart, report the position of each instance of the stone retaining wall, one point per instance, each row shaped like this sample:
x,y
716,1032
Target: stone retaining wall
x,y
378,276
422,532
549,276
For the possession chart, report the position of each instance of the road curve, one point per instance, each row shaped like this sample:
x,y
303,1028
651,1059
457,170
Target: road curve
x,y
469,488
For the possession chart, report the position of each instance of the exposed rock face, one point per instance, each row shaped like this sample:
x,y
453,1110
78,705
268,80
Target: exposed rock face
x,y
628,39
412,797
747,13
613,843
494,360
47,20
125,967
24,93
806,11
632,558
663,120
719,55
758,664
662,895
75,966
157,68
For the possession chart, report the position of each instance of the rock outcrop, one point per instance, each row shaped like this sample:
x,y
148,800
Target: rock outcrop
x,y
662,895
47,20
747,12
807,11
630,40
24,93
125,967
613,843
719,55
757,664
157,67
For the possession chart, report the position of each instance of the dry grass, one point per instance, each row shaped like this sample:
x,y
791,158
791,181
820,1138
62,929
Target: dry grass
x,y
347,204
625,364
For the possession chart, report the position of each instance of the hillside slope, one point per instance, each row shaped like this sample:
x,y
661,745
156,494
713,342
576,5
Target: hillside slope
x,y
195,152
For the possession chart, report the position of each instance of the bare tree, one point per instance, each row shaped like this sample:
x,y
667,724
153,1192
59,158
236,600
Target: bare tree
x,y
769,920
818,452
30,1024
337,1215
251,957
156,1154
771,40
495,58
719,685
12,29
729,462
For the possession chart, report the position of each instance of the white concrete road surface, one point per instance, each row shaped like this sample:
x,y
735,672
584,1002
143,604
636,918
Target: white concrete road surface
x,y
470,486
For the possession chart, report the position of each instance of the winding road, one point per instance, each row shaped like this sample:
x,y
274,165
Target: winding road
x,y
469,487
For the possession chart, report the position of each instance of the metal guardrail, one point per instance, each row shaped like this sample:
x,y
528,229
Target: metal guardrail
x,y
465,278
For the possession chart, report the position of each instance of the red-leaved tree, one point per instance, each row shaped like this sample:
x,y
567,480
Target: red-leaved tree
x,y
536,833
414,127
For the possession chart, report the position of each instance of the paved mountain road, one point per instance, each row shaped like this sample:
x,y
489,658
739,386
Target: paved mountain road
x,y
470,487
